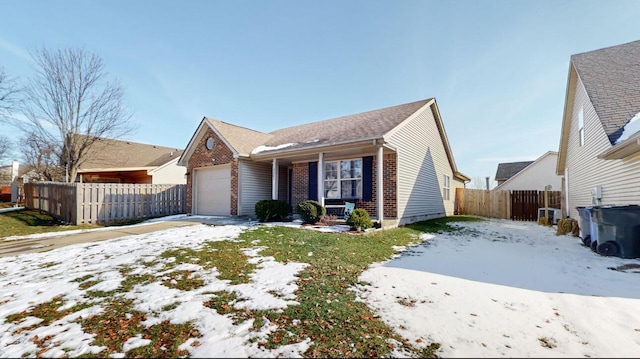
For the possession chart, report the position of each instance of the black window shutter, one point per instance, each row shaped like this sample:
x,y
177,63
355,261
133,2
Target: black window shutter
x,y
313,181
367,178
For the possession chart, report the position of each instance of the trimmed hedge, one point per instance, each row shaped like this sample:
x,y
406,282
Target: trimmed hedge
x,y
271,210
310,211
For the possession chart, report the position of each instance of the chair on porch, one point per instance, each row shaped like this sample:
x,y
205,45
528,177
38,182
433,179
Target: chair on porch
x,y
348,208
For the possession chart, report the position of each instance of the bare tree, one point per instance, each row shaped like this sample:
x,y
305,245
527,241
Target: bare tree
x,y
9,94
5,148
70,103
40,158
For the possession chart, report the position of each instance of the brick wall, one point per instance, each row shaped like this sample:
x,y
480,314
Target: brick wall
x,y
220,154
301,189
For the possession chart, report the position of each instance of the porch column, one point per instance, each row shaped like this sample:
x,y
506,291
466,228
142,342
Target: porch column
x,y
320,178
274,179
380,185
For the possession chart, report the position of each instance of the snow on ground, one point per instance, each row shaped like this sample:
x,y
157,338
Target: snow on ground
x,y
509,289
30,279
493,289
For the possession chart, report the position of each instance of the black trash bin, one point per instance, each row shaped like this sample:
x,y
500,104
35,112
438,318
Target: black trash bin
x,y
618,230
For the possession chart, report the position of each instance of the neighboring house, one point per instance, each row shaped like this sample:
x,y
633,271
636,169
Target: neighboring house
x,y
394,162
599,153
509,169
11,179
116,161
533,176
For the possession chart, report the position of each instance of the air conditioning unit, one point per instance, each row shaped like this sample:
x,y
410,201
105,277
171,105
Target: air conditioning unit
x,y
554,214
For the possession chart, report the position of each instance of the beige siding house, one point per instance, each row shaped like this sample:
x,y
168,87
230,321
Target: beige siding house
x,y
119,161
394,162
599,154
536,175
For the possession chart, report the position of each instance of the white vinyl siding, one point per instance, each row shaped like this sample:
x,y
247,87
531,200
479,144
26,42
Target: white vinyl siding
x,y
169,174
536,176
254,182
619,178
422,162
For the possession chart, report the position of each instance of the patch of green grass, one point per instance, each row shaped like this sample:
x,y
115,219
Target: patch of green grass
x,y
328,313
442,224
182,280
119,322
49,312
226,256
82,279
26,221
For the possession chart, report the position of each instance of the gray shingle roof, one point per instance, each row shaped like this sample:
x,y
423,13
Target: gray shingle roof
x,y
611,77
508,170
365,125
242,139
110,153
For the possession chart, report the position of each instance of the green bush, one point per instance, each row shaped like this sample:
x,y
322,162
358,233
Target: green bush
x,y
359,220
310,211
271,210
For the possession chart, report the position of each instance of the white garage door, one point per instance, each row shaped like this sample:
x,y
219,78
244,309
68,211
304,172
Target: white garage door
x,y
213,191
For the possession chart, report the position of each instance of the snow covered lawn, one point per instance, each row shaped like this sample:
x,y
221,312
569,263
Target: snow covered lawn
x,y
509,289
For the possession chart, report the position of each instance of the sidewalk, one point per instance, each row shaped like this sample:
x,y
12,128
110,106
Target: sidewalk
x,y
53,240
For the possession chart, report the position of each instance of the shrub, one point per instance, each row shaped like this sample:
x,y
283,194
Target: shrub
x,y
359,220
310,211
271,210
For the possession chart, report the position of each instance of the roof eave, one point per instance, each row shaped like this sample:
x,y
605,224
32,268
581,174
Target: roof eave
x,y
572,79
115,169
622,150
314,148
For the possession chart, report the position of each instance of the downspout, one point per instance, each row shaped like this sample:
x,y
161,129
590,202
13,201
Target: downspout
x,y
274,179
566,191
380,185
320,179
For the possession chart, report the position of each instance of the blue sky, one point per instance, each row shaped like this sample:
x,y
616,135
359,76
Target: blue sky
x,y
498,69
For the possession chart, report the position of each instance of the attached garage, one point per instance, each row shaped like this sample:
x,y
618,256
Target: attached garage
x,y
212,191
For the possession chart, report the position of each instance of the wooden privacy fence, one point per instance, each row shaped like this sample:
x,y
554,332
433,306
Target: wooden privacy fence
x,y
515,205
105,203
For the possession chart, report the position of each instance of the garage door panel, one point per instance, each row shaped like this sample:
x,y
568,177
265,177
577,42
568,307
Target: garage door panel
x,y
213,191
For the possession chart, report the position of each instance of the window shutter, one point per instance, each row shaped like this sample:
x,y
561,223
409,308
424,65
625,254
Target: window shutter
x,y
367,178
313,181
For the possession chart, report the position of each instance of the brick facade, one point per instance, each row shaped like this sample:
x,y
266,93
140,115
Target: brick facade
x,y
220,154
301,186
300,189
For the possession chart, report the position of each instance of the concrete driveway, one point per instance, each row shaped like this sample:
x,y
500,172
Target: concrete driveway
x,y
55,240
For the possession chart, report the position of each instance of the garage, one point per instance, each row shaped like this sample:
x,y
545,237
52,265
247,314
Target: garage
x,y
212,190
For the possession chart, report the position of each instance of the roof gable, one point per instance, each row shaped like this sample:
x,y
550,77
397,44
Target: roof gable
x,y
525,168
611,76
509,169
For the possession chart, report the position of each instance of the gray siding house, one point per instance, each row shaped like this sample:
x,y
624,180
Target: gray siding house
x,y
394,162
599,153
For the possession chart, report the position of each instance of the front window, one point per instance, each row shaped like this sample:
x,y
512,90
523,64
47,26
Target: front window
x,y
343,179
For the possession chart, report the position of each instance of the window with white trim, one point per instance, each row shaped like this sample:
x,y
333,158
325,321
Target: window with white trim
x,y
446,188
343,179
581,127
